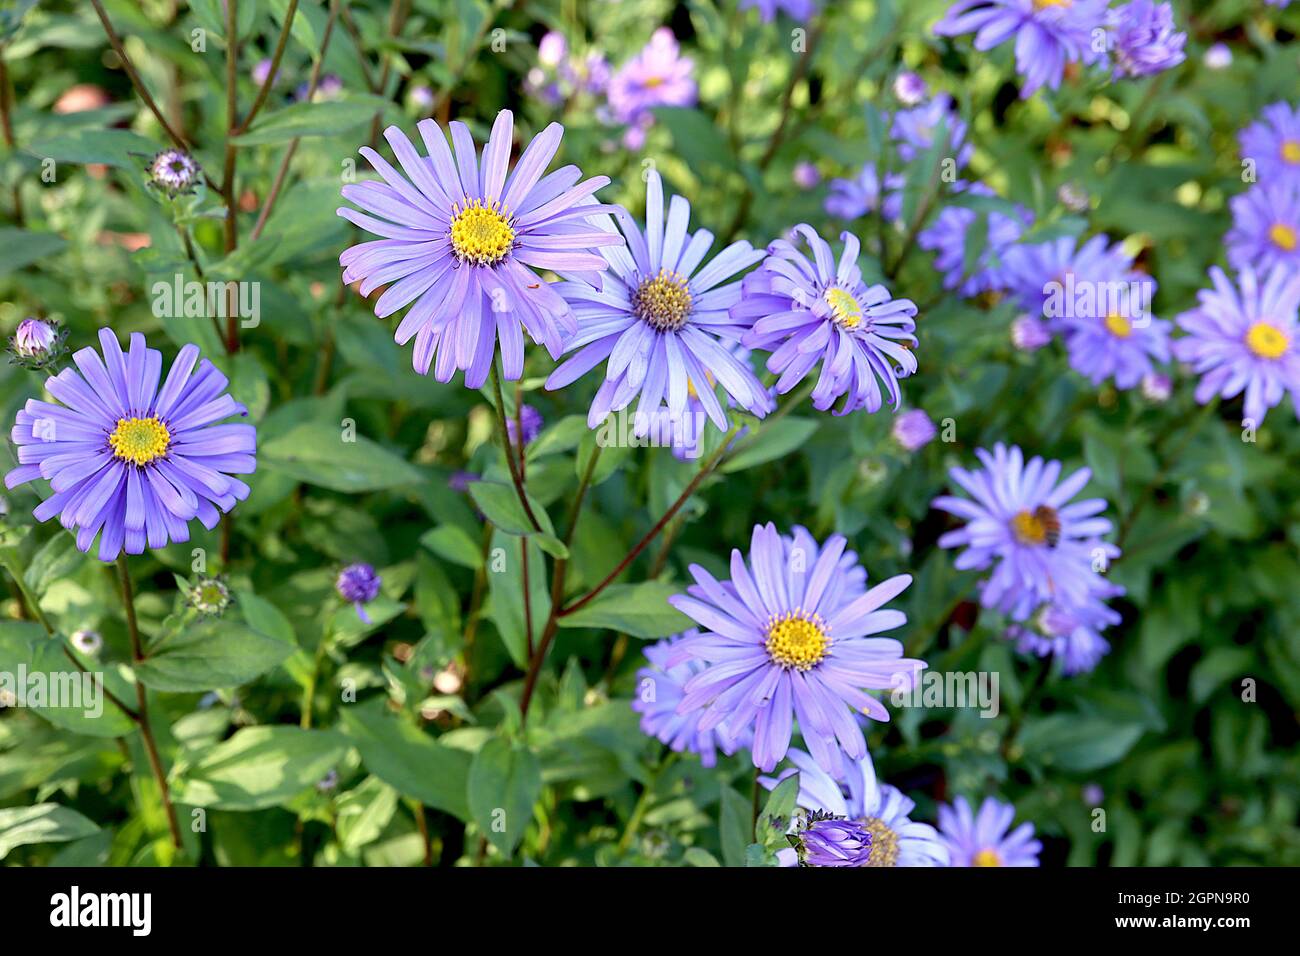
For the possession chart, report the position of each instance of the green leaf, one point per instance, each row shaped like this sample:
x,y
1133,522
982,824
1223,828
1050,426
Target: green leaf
x,y
735,826
209,654
364,812
1078,743
414,763
112,147
500,504
258,767
328,118
504,783
23,247
506,590
769,443
453,543
315,452
641,610
42,823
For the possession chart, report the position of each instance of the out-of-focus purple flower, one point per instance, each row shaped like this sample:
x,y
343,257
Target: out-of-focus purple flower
x,y
1273,143
805,175
1048,33
1243,339
421,95
825,840
328,87
797,10
261,70
850,199
1143,39
982,839
661,321
461,480
913,430
949,235
359,585
532,422
809,310
586,74
1121,344
909,88
1265,227
1059,278
657,76
914,130
1021,523
1218,57
1092,794
1072,634
1156,387
552,49
459,240
1029,334
790,635
659,691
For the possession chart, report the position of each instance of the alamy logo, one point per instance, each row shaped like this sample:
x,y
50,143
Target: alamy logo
x,y
132,910
1085,299
78,690
180,299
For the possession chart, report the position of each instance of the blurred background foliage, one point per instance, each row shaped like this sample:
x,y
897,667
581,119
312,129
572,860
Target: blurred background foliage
x,y
289,770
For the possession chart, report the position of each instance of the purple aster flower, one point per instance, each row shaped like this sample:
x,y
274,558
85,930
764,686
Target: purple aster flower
x,y
1218,57
1029,334
982,839
824,840
854,793
851,199
909,88
812,310
359,585
128,461
913,430
1143,39
328,87
1059,278
552,49
1265,227
173,171
914,130
1273,142
1119,339
947,238
1071,634
1049,33
37,343
262,69
1022,524
661,321
657,76
797,10
1157,387
659,691
788,636
460,240
1243,339
532,422
805,175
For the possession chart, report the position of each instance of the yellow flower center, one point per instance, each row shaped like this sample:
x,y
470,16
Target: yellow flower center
x,y
481,234
1284,237
1266,340
664,301
982,858
139,440
1291,152
845,309
1034,527
1046,4
1119,326
650,82
884,843
796,641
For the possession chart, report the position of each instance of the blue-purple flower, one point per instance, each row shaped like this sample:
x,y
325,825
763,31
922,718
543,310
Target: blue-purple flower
x,y
824,840
128,461
852,792
1265,227
1071,634
914,130
1120,340
807,311
1243,339
459,242
851,199
913,430
983,839
1022,523
790,636
659,691
909,88
1048,33
1272,142
949,235
662,320
532,422
1143,38
359,584
797,10
657,76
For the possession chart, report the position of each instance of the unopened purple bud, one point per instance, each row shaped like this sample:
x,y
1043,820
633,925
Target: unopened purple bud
x,y
359,584
34,337
909,88
806,175
914,430
1029,334
832,842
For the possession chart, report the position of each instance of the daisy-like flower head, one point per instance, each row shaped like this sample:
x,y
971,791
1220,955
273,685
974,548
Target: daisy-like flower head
x,y
128,461
359,584
850,199
854,793
659,691
1273,142
1143,38
1071,634
1118,338
1265,227
1021,521
909,88
1058,278
662,321
657,76
947,237
1049,33
826,840
173,171
982,839
1243,339
460,240
808,310
914,130
789,636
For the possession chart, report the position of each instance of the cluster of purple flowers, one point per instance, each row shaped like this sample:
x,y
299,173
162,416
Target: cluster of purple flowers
x,y
562,74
